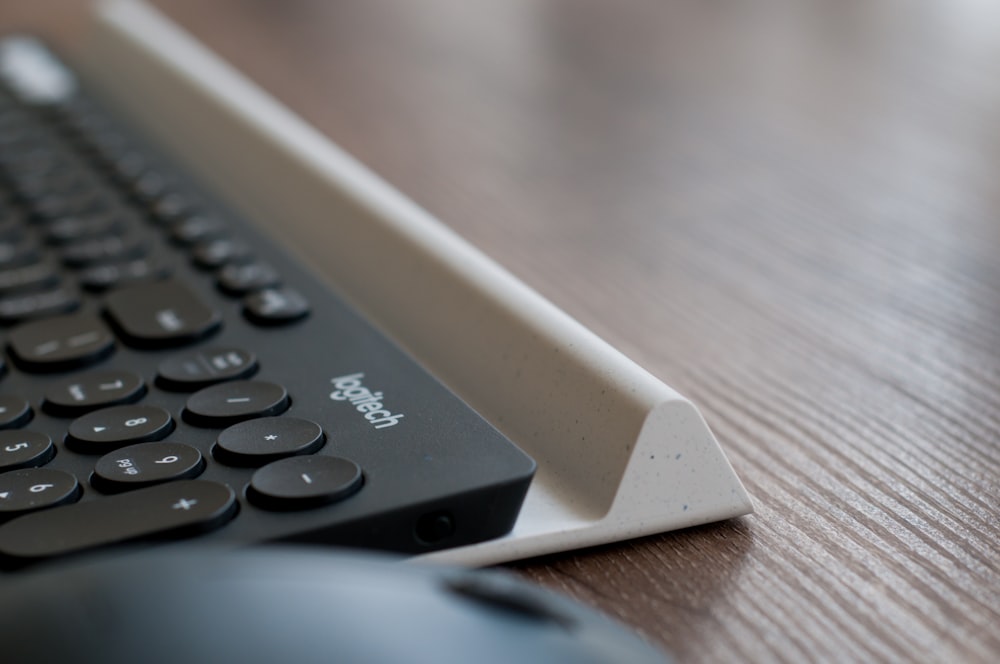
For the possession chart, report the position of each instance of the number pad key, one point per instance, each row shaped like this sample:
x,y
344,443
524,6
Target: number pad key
x,y
229,403
145,464
24,449
34,489
14,411
80,394
263,440
111,428
304,482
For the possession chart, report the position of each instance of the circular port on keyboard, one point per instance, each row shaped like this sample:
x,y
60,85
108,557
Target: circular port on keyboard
x,y
434,527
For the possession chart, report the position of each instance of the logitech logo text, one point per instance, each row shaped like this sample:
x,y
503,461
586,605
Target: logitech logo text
x,y
350,388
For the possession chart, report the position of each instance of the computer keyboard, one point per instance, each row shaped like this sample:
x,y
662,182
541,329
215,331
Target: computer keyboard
x,y
172,372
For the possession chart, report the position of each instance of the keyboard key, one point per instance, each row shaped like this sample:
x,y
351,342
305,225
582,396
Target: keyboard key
x,y
150,186
81,394
104,277
161,313
111,428
17,308
127,166
24,449
228,403
29,188
55,206
15,253
263,440
197,229
194,370
28,277
60,343
304,481
275,306
33,489
242,278
171,208
146,464
213,254
30,160
174,509
15,411
11,224
102,250
83,227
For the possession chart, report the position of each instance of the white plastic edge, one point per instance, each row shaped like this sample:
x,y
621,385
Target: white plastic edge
x,y
620,453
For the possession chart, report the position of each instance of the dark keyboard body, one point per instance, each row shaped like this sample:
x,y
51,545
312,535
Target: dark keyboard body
x,y
171,372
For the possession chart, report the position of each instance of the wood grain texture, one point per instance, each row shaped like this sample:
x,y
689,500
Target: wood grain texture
x,y
788,211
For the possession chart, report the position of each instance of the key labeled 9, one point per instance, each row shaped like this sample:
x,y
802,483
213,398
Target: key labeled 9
x,y
144,464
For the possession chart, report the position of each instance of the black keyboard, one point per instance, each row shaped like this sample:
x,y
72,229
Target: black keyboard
x,y
171,373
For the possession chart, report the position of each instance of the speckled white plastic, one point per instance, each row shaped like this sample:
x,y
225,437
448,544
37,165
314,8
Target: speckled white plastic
x,y
620,454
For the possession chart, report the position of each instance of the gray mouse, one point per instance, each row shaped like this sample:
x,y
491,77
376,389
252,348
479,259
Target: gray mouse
x,y
294,605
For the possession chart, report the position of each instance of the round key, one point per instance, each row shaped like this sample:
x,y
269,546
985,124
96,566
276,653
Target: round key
x,y
275,306
14,411
103,250
80,394
145,464
242,278
60,343
24,449
111,428
213,254
80,227
47,303
150,186
33,276
16,253
302,482
267,439
228,403
190,371
171,207
105,276
34,489
11,224
197,229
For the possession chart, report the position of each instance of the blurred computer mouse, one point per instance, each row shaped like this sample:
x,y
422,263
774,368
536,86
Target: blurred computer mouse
x,y
293,605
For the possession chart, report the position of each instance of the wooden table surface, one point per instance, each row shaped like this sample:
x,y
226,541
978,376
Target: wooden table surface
x,y
789,211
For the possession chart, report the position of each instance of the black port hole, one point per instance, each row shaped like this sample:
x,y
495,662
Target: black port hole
x,y
434,527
